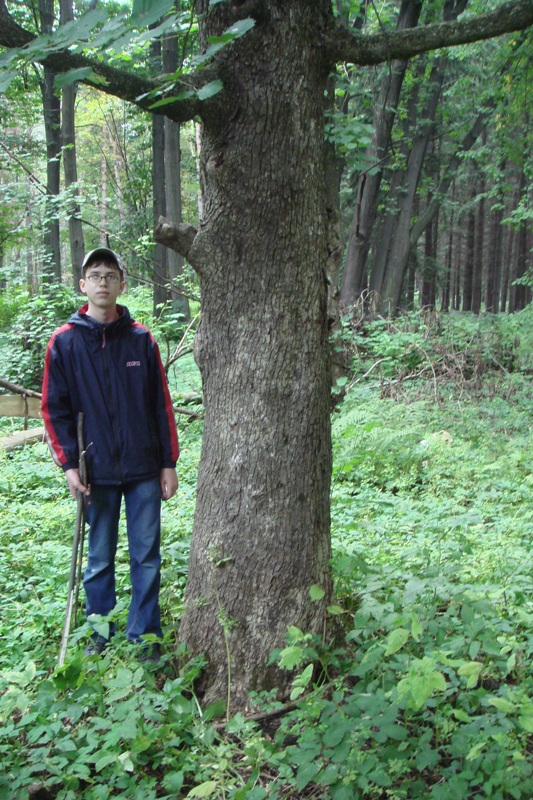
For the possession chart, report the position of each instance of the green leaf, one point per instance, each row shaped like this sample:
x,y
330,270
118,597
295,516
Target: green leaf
x,y
291,657
502,704
471,671
127,762
526,721
301,682
73,75
380,777
147,12
173,781
305,774
204,789
316,592
396,640
210,90
335,610
110,758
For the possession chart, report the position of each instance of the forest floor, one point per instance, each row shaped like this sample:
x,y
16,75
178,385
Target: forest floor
x,y
427,690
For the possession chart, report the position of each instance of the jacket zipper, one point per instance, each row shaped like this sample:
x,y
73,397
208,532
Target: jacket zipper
x,y
110,407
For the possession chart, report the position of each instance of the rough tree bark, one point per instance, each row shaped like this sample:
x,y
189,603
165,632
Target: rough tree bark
x,y
262,348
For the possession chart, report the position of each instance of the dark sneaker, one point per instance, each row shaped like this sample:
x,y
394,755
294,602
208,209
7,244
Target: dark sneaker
x,y
94,648
150,654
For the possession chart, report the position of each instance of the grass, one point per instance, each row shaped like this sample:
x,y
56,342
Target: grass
x,y
426,692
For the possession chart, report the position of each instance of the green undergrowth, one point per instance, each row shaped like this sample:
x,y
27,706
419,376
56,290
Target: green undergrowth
x,y
425,693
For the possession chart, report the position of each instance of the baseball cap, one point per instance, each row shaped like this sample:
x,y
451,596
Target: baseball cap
x,y
103,251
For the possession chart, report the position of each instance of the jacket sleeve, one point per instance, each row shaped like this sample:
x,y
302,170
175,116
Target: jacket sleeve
x,y
164,412
56,410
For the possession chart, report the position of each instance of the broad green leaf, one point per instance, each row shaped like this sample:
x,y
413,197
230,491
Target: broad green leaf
x,y
416,629
526,721
305,774
301,682
502,704
471,671
210,90
204,789
396,640
126,761
73,75
147,12
475,751
380,777
291,657
335,610
110,758
173,781
316,592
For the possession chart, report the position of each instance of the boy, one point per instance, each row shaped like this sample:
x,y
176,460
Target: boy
x,y
107,366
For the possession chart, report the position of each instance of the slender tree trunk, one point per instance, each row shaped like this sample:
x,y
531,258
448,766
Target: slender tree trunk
x,y
103,191
468,272
519,257
160,260
456,273
172,159
369,183
477,277
70,165
523,261
52,127
401,241
445,304
494,262
429,273
508,247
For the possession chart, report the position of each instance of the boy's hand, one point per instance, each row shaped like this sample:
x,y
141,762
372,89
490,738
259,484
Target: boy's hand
x,y
74,483
169,482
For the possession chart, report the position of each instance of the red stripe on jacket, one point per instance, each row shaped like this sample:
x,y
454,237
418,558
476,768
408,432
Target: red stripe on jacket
x,y
53,441
171,419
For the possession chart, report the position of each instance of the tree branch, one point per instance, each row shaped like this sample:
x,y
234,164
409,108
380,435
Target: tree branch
x,y
178,236
126,85
356,48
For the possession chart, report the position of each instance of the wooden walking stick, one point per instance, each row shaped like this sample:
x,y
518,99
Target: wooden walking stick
x,y
77,549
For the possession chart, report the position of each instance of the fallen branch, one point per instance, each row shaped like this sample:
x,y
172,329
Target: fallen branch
x,y
12,387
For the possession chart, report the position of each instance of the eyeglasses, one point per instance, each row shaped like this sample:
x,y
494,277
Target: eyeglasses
x,y
109,277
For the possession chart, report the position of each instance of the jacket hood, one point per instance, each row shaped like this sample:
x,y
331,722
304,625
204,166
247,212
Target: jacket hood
x,y
81,318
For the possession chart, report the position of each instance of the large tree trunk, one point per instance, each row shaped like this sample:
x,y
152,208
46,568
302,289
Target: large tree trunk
x,y
261,532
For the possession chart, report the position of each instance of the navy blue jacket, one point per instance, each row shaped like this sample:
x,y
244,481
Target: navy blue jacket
x,y
113,373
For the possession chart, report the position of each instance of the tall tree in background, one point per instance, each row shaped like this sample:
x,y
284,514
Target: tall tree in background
x,y
70,166
366,205
261,536
52,127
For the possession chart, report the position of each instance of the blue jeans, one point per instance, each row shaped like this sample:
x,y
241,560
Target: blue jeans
x,y
143,519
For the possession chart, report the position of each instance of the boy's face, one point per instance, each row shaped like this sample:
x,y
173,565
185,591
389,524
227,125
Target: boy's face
x,y
102,284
